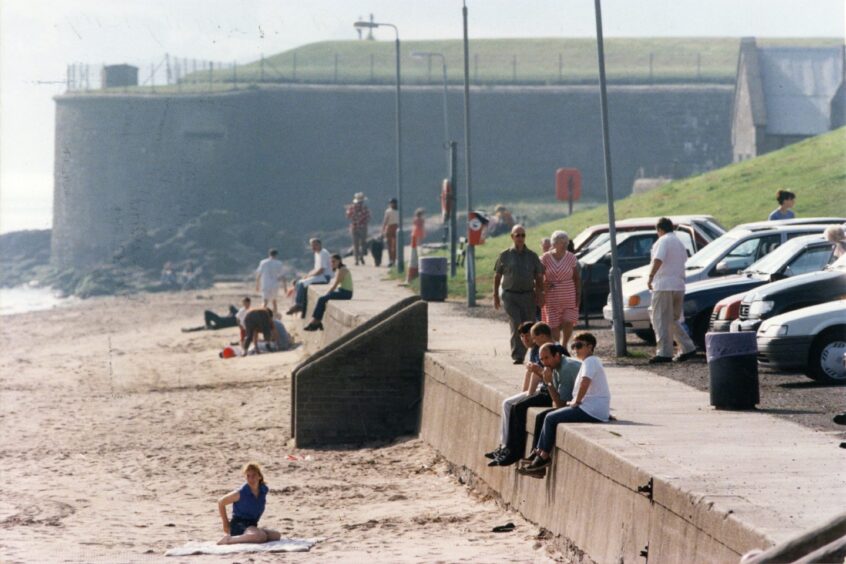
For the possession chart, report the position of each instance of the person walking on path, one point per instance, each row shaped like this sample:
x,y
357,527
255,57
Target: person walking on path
x,y
268,277
342,289
318,275
563,287
390,225
519,272
786,200
248,504
359,216
591,401
666,281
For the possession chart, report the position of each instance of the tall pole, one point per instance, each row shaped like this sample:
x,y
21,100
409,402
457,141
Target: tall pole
x,y
446,114
400,247
614,274
470,259
453,205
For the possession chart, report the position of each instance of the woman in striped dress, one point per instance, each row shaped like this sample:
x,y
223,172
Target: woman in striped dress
x,y
563,288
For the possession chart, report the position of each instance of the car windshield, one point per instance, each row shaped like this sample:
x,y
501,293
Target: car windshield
x,y
713,251
596,254
775,261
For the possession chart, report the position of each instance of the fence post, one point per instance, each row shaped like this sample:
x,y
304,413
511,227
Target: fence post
x,y
211,70
371,68
294,71
152,78
235,75
476,68
194,74
560,67
261,68
513,68
167,69
336,68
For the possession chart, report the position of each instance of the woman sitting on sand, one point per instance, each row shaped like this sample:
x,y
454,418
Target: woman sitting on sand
x,y
247,507
342,289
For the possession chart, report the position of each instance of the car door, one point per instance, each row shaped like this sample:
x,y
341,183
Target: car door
x,y
811,259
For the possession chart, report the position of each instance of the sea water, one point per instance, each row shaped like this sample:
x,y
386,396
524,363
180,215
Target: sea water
x,y
25,298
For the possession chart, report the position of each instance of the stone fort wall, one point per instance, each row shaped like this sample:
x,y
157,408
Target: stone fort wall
x,y
295,154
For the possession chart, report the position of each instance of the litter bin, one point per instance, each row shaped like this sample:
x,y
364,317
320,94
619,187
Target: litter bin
x,y
733,367
433,278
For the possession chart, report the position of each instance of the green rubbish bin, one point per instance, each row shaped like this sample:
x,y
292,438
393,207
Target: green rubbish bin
x,y
733,369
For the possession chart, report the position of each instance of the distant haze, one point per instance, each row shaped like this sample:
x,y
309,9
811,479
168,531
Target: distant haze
x,y
38,38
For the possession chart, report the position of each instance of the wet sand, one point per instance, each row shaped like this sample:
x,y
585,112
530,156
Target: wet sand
x,y
120,432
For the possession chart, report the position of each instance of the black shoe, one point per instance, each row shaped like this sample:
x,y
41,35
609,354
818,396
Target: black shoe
x,y
840,419
494,454
503,458
660,359
494,462
292,310
518,361
537,468
311,327
684,356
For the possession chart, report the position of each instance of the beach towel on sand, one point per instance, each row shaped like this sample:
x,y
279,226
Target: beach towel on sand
x,y
282,545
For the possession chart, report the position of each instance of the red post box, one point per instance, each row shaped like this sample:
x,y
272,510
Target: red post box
x,y
568,185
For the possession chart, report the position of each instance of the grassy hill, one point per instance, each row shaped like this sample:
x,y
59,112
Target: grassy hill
x,y
814,169
492,61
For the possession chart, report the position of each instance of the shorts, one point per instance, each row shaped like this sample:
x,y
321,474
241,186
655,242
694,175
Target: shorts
x,y
269,293
237,525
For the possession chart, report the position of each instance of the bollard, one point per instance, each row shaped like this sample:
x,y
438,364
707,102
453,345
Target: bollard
x,y
433,278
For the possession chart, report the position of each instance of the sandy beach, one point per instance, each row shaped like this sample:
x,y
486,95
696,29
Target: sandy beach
x,y
120,432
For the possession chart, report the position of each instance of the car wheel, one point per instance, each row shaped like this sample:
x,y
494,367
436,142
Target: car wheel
x,y
826,361
647,335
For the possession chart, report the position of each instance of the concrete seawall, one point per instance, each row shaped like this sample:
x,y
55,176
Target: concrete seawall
x,y
672,479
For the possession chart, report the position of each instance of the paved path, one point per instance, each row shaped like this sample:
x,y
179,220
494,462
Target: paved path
x,y
776,476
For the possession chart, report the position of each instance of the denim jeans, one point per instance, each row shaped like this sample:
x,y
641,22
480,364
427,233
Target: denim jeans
x,y
563,415
339,294
301,298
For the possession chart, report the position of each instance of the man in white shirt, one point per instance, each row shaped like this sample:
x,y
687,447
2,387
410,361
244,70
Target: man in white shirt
x,y
666,280
268,276
320,274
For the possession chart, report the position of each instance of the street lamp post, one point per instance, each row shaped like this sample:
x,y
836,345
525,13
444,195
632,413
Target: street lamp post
x,y
449,148
614,274
470,250
400,245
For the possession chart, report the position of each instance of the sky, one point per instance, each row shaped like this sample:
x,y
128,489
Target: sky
x,y
39,38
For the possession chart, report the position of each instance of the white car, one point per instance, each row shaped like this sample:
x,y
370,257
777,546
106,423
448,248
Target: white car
x,y
810,340
729,254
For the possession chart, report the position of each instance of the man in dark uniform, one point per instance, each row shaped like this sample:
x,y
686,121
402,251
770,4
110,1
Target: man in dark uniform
x,y
520,272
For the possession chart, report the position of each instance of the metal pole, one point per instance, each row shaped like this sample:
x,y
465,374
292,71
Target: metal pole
x,y
614,274
446,115
400,248
453,204
470,259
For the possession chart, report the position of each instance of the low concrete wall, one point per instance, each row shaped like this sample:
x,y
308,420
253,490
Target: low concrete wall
x,y
594,495
366,384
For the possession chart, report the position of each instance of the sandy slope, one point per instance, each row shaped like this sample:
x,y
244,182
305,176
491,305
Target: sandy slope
x,y
119,432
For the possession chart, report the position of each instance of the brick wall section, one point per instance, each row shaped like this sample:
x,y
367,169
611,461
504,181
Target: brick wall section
x,y
365,385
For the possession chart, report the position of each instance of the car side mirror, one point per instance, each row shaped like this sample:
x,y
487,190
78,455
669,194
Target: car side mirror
x,y
722,268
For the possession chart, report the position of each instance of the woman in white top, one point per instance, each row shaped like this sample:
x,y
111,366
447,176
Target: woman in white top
x,y
390,224
591,403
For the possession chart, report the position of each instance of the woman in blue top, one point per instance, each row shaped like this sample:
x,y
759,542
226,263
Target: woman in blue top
x,y
247,507
786,200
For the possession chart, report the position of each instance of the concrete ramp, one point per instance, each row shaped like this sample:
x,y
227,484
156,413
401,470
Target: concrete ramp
x,y
366,384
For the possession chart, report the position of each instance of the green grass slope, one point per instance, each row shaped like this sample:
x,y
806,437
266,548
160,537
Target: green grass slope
x,y
492,61
814,169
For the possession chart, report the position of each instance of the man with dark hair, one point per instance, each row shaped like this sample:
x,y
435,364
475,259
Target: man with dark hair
x,y
667,282
536,393
520,272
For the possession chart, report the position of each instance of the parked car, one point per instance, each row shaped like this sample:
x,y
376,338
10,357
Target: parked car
x,y
792,294
810,340
701,229
731,253
801,255
632,251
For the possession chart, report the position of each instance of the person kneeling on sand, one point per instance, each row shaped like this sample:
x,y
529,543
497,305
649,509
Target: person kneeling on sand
x,y
534,394
259,321
591,404
247,507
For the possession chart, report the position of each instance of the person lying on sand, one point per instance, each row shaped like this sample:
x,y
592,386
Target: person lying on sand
x,y
247,506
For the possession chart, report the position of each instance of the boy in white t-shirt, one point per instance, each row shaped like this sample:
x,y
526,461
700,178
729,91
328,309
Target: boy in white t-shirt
x,y
268,277
591,404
